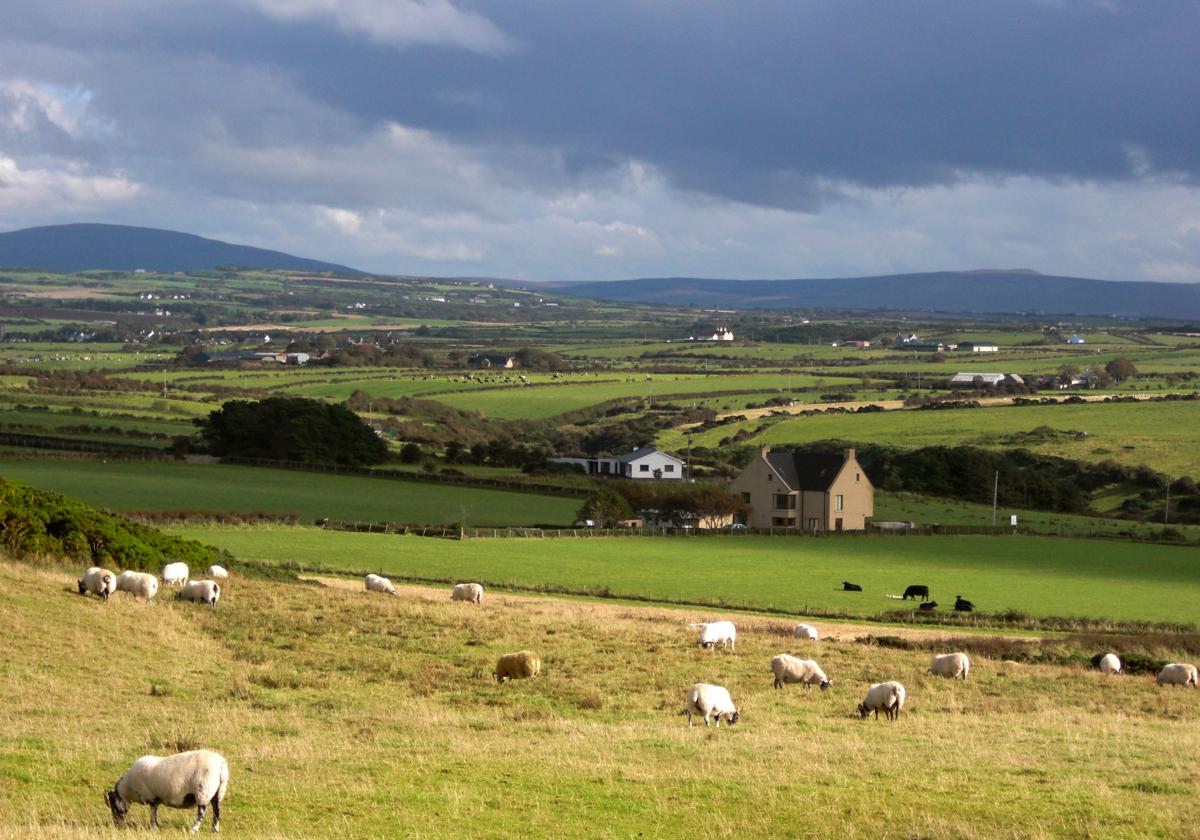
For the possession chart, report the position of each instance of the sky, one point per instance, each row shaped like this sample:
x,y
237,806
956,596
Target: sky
x,y
556,140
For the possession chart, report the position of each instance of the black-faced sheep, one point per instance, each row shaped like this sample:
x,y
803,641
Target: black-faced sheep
x,y
952,665
97,581
175,574
789,669
524,664
1107,663
470,592
1178,674
806,631
378,583
710,701
916,592
888,696
138,584
200,591
714,633
185,780
217,573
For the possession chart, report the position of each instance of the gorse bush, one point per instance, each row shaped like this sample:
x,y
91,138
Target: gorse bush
x,y
36,523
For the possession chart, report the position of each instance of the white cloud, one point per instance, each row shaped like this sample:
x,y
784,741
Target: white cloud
x,y
25,106
398,23
65,188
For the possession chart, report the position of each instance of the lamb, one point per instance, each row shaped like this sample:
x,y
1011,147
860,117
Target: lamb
x,y
524,664
806,631
711,700
97,581
1108,663
1178,674
717,633
962,604
847,586
888,696
201,591
789,669
472,592
928,606
217,573
378,583
198,778
175,574
138,584
917,592
952,665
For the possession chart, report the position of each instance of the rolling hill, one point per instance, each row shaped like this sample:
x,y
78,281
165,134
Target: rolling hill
x,y
1018,290
83,247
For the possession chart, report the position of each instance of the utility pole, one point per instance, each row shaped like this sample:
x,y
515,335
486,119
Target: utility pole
x,y
689,459
1167,506
995,496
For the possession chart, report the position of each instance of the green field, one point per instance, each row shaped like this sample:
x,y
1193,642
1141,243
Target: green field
x,y
358,716
1164,435
221,488
1040,576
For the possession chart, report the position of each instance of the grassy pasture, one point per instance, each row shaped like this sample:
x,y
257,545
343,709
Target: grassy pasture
x,y
1164,435
350,715
222,488
1040,576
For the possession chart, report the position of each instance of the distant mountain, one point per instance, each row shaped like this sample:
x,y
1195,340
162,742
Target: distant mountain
x,y
1017,290
80,247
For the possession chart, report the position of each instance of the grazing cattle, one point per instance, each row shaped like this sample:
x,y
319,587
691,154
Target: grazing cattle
x,y
962,604
928,606
847,586
916,592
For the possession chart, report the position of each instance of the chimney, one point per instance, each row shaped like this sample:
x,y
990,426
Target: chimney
x,y
849,453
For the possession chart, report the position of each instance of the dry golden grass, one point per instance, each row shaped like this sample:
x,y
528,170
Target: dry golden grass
x,y
350,714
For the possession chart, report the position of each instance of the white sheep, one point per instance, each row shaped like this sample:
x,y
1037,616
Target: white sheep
x,y
952,665
888,696
472,592
806,631
138,584
97,581
1109,664
711,700
717,633
378,583
216,572
198,778
790,669
175,574
524,664
1178,674
200,591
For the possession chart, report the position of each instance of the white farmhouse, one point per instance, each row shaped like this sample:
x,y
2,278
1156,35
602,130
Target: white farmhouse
x,y
643,463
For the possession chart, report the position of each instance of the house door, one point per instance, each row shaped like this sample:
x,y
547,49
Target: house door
x,y
837,524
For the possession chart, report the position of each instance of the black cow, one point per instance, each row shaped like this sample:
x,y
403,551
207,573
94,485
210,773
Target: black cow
x,y
916,592
928,606
847,586
962,604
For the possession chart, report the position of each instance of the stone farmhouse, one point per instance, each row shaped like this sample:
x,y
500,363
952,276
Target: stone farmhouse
x,y
807,491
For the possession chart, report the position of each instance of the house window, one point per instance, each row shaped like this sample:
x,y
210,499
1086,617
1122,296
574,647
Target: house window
x,y
668,468
746,498
837,524
857,477
784,501
643,468
839,502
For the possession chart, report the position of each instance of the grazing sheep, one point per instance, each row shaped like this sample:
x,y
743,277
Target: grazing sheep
x,y
717,633
1108,663
198,778
472,592
1178,674
847,586
917,592
806,631
524,664
200,591
138,584
962,604
175,574
217,573
378,583
928,606
952,665
888,696
97,581
711,700
790,669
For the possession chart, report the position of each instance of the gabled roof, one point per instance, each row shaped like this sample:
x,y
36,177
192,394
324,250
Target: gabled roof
x,y
640,453
806,471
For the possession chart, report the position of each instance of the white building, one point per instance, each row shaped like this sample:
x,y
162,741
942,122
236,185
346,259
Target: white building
x,y
644,463
969,379
718,334
977,347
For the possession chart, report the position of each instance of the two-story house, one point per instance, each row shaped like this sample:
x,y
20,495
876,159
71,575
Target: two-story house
x,y
806,491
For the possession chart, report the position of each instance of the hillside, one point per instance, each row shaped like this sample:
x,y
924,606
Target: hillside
x,y
944,291
82,247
